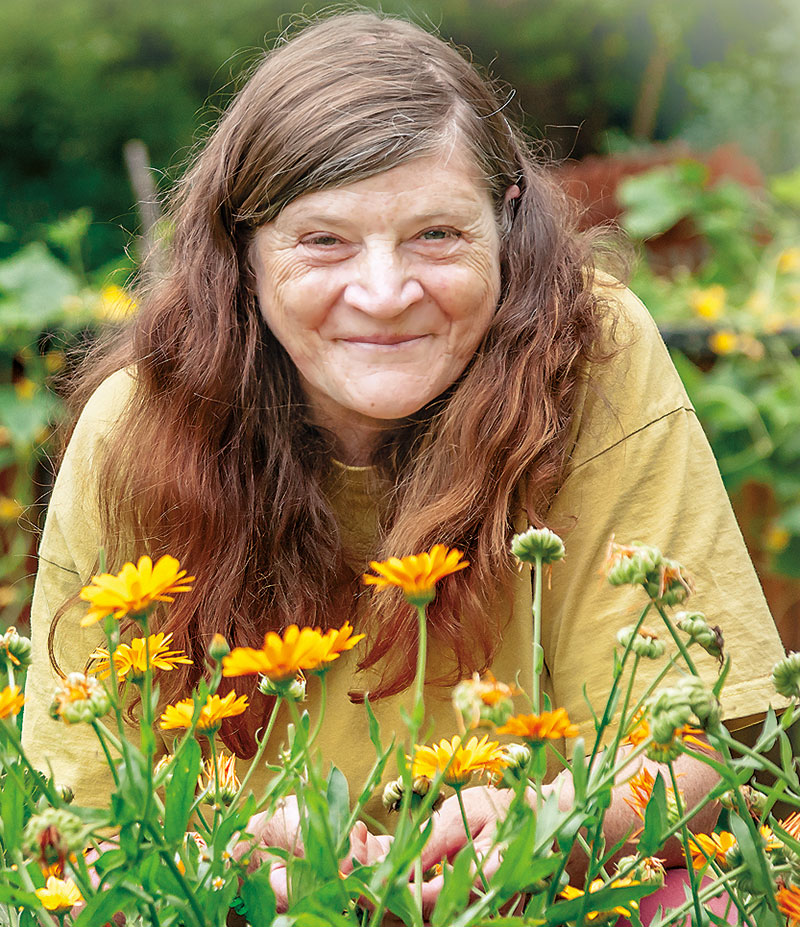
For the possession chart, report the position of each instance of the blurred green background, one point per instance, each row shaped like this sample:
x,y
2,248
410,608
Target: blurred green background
x,y
677,120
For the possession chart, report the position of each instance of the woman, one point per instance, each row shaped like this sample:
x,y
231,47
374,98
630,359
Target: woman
x,y
379,330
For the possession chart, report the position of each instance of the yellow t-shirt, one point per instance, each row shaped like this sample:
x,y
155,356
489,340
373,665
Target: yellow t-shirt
x,y
639,467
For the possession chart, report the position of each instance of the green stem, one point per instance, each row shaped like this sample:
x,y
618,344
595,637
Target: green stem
x,y
323,704
212,740
188,891
418,710
44,916
260,752
686,847
538,653
677,638
470,841
109,759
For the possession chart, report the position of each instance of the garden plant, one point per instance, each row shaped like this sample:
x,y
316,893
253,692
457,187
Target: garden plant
x,y
172,846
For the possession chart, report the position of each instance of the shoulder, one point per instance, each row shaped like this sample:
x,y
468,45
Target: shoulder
x,y
633,386
105,406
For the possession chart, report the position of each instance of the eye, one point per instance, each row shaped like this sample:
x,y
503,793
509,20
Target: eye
x,y
439,235
322,240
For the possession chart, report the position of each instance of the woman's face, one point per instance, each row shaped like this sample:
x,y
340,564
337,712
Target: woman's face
x,y
381,290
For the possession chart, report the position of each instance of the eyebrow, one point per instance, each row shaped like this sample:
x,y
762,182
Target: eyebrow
x,y
455,216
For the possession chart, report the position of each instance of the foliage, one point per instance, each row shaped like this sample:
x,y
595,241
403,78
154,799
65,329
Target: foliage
x,y
79,78
136,857
736,312
47,305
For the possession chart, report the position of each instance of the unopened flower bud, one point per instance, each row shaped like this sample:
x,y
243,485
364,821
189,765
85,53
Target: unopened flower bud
x,y
537,543
393,794
670,708
65,793
517,760
734,859
644,643
709,638
80,699
15,649
666,752
786,675
218,648
632,564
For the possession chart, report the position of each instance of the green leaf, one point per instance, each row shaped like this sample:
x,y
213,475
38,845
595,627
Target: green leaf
x,y
752,855
180,791
103,906
579,771
374,727
454,895
12,813
258,897
655,819
722,677
338,796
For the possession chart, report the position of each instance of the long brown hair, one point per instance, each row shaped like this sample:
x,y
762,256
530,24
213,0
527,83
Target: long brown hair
x,y
215,459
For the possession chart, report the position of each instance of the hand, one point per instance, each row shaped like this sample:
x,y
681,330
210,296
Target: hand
x,y
484,808
282,830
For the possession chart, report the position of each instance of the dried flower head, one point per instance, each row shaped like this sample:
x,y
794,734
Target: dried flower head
x,y
134,589
702,633
643,642
52,835
15,649
459,761
537,729
212,714
79,700
229,784
537,544
132,659
417,574
664,580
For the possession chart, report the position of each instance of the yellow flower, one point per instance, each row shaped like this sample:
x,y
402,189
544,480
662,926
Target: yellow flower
x,y
707,847
709,302
789,903
284,657
777,539
131,658
25,388
789,260
10,509
571,892
723,341
115,304
211,714
11,700
640,731
641,789
459,760
549,725
226,773
59,895
134,588
417,574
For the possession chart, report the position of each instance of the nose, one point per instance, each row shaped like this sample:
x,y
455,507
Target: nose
x,y
382,285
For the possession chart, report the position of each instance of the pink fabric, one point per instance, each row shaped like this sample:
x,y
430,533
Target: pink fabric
x,y
673,894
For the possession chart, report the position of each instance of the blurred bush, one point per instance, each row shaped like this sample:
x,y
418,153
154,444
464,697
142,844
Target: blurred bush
x,y
49,307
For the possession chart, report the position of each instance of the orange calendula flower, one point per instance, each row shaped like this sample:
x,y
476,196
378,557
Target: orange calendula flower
x,y
417,574
59,895
11,700
707,847
134,588
788,899
641,789
283,657
131,659
792,825
212,714
459,761
549,725
640,731
571,892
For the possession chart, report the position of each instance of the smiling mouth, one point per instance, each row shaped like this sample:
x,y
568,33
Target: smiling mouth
x,y
383,340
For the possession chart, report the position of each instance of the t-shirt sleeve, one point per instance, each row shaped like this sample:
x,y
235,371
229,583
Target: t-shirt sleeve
x,y
642,470
67,559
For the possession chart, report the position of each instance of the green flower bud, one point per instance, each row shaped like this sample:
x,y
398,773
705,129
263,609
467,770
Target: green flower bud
x,y
393,794
669,709
632,564
518,757
218,648
744,880
700,632
786,675
15,649
672,586
65,793
649,870
537,543
666,752
80,699
645,643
